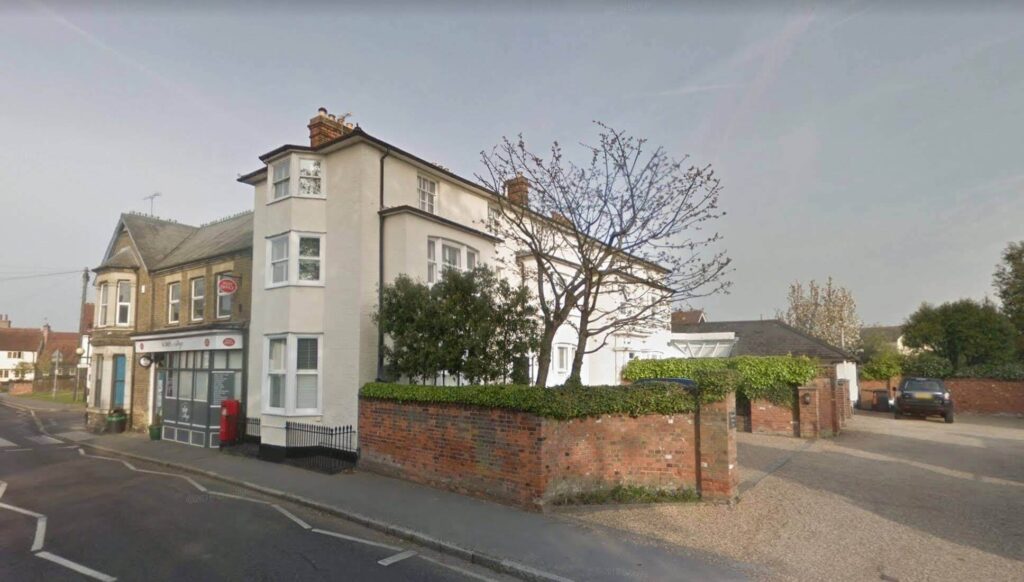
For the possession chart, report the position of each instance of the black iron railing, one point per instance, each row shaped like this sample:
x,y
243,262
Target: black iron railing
x,y
249,430
328,449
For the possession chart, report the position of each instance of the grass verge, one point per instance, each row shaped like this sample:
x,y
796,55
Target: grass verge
x,y
628,494
63,397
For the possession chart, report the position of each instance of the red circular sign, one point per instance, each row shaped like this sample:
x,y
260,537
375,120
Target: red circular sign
x,y
227,286
229,341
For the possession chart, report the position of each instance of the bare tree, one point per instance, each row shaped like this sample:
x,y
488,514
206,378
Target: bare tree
x,y
611,245
827,312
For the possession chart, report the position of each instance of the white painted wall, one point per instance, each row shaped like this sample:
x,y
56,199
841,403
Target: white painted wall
x,y
848,371
9,361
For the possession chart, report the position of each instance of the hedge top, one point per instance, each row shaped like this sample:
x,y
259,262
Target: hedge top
x,y
555,403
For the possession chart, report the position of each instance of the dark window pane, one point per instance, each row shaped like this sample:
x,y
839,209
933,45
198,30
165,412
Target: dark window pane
x,y
307,354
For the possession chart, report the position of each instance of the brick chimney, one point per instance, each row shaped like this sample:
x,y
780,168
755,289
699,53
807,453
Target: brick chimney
x,y
326,127
5,323
46,333
518,190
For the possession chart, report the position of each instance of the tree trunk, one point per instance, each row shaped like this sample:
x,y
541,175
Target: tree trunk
x,y
575,375
544,354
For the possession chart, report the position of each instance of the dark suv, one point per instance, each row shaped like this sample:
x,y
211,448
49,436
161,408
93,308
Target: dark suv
x,y
924,396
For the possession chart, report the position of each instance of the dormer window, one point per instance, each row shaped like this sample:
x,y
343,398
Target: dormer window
x,y
428,194
282,173
309,178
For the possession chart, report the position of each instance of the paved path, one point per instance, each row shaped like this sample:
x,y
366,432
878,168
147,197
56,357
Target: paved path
x,y
542,547
892,500
70,514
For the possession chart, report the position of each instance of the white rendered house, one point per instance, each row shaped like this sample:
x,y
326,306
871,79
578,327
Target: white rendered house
x,y
334,219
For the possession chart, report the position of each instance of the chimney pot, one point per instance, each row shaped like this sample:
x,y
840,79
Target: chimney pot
x,y
322,111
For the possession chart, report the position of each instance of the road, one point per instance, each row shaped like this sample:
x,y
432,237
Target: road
x,y
67,513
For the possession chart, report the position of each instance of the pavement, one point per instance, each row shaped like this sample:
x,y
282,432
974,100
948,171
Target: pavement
x,y
505,539
67,513
896,500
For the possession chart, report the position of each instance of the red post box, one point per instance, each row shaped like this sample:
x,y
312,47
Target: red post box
x,y
229,416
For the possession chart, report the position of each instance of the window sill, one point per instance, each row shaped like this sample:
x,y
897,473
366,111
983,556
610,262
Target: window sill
x,y
295,284
284,414
296,196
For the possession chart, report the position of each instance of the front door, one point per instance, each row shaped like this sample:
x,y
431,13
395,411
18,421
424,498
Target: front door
x,y
119,371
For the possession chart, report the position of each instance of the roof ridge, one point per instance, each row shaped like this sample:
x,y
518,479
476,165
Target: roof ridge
x,y
225,218
155,218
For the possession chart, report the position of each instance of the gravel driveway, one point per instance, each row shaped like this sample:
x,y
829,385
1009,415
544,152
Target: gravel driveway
x,y
886,500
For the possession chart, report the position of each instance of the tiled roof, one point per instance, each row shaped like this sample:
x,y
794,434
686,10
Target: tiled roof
x,y
212,240
769,337
154,237
20,339
66,342
122,259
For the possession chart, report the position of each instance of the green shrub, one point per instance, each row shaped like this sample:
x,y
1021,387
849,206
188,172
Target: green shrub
x,y
885,364
628,494
927,365
556,403
1009,371
754,377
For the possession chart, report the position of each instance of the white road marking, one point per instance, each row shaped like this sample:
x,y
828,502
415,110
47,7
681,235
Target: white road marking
x,y
44,440
16,450
6,443
76,567
291,516
239,497
397,558
357,540
462,571
22,511
3,487
37,543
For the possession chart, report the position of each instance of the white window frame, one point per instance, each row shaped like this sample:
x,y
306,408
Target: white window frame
x,y
171,301
319,178
193,297
285,179
562,359
291,374
319,258
292,249
118,303
427,199
104,311
435,257
231,299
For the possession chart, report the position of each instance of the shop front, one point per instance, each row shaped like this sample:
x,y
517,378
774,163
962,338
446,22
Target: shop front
x,y
191,373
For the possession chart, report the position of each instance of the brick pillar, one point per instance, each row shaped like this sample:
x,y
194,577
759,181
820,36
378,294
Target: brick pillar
x,y
808,399
847,407
719,477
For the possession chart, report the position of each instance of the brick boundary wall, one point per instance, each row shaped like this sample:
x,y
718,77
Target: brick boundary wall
x,y
977,395
529,461
769,418
985,396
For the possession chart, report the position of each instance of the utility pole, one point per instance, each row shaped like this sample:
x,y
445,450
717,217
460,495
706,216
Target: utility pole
x,y
81,332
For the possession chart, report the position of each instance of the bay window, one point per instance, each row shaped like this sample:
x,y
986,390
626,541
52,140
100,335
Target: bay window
x,y
104,305
295,258
173,302
310,178
124,302
293,378
454,255
281,175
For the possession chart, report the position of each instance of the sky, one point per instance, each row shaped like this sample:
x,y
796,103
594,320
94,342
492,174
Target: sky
x,y
878,146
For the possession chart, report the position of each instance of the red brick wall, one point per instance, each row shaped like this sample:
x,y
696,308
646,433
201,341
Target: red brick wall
x,y
986,396
526,460
769,418
809,397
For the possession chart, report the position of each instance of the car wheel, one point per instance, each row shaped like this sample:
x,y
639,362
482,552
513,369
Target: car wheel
x,y
948,416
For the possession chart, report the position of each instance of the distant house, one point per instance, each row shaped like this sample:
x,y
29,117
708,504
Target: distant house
x,y
24,349
888,334
769,337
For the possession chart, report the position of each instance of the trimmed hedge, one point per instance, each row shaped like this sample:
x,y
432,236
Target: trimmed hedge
x,y
927,365
556,403
769,377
